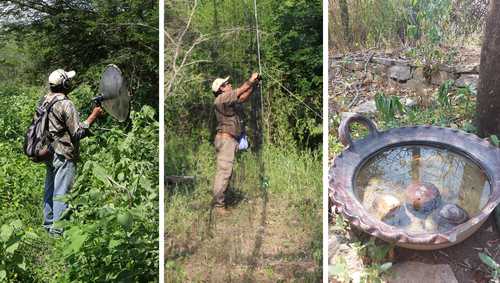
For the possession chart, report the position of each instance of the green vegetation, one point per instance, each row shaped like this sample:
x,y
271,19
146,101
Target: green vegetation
x,y
111,233
422,25
294,179
285,195
375,255
224,43
388,106
493,266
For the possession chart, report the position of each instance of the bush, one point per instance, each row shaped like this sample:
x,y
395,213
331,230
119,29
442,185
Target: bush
x,y
112,230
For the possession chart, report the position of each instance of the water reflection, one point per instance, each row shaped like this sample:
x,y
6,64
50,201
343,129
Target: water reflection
x,y
398,182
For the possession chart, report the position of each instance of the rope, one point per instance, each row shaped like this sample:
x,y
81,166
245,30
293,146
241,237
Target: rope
x,y
275,80
294,95
257,113
258,50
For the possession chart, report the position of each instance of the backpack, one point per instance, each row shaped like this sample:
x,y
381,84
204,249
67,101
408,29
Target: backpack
x,y
36,144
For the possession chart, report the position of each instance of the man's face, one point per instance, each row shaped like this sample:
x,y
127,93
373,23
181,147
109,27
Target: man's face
x,y
225,87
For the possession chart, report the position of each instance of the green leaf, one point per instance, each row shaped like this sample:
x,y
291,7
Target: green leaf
x,y
6,232
31,235
22,265
3,275
338,269
146,183
494,140
12,248
121,176
76,237
101,174
16,224
114,243
488,261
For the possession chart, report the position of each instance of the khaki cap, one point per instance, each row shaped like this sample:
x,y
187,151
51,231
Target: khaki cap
x,y
58,77
218,82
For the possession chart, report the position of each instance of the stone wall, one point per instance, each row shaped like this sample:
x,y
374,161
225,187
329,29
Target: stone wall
x,y
406,73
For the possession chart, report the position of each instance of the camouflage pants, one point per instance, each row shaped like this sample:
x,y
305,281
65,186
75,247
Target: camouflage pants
x,y
225,151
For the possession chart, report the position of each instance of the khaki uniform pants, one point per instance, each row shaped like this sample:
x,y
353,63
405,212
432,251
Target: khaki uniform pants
x,y
225,151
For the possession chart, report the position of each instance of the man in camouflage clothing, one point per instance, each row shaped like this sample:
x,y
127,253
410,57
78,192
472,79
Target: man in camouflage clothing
x,y
64,134
229,130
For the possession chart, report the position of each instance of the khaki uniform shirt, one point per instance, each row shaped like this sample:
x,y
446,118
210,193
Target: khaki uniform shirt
x,y
65,129
228,113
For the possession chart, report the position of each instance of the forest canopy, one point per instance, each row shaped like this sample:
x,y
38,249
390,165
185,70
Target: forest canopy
x,y
38,36
209,39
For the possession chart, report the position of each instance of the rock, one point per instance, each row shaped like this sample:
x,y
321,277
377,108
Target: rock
x,y
418,272
377,69
467,79
384,204
423,197
389,61
336,63
470,69
418,75
446,68
413,84
339,250
440,77
451,215
334,244
400,73
366,108
383,61
408,102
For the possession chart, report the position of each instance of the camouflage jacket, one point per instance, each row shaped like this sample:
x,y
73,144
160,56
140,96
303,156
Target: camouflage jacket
x,y
65,128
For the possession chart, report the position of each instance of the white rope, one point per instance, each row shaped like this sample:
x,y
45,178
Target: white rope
x,y
260,70
295,96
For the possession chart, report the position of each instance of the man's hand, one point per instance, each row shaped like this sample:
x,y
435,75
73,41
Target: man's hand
x,y
247,88
97,112
255,77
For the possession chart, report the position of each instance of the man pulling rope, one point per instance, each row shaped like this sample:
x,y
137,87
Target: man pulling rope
x,y
229,131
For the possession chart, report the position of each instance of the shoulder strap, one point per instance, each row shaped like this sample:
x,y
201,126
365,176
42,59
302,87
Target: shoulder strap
x,y
54,101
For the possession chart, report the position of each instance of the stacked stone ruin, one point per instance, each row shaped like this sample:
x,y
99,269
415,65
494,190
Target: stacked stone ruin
x,y
407,73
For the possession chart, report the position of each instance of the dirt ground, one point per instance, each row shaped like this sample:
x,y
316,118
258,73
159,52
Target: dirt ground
x,y
463,257
258,240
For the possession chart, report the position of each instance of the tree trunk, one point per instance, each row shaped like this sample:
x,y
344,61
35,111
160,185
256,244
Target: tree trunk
x,y
344,17
488,92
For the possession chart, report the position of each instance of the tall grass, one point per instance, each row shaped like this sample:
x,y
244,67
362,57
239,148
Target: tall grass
x,y
389,23
292,177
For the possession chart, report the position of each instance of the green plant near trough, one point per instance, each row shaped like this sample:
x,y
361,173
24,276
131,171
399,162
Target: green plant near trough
x,y
493,266
443,94
465,96
388,106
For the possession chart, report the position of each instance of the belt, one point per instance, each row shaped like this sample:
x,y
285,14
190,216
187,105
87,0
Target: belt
x,y
225,135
